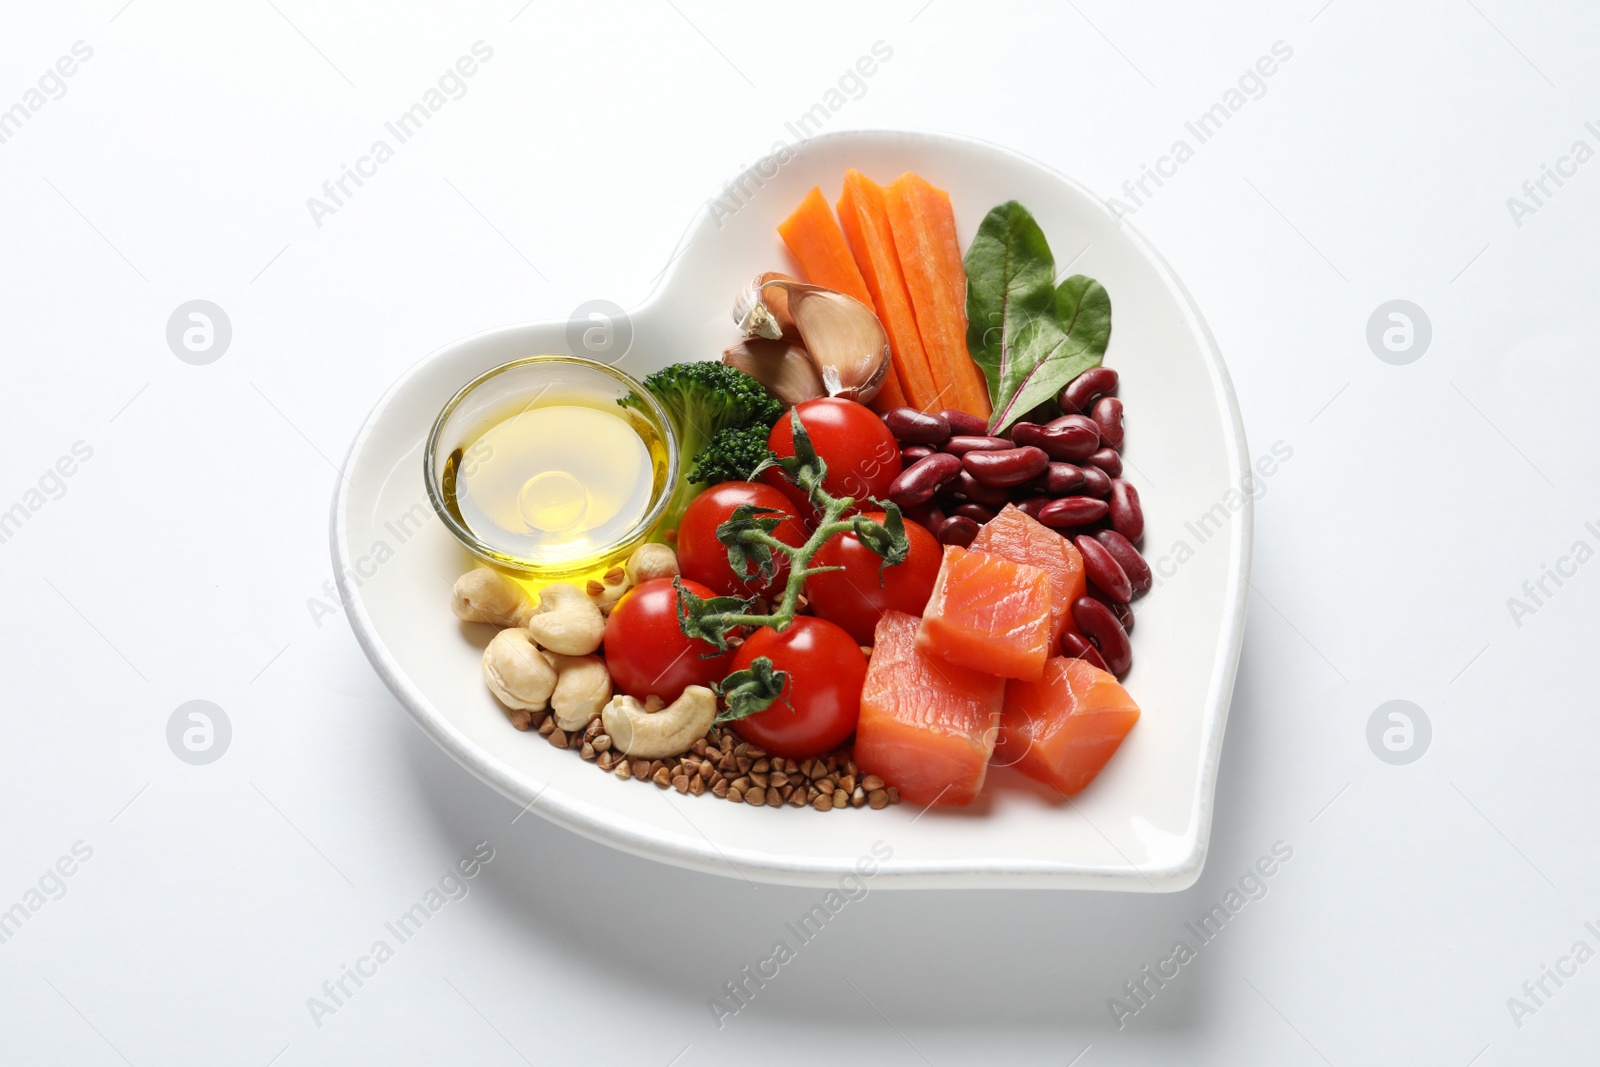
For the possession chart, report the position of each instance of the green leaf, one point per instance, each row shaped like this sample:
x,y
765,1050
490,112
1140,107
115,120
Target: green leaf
x,y
1010,272
1052,350
751,690
1030,336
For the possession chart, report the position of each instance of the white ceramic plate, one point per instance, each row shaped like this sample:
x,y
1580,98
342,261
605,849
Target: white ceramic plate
x,y
1143,825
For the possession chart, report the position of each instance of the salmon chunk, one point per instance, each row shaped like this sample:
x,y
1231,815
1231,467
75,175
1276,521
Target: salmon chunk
x,y
1065,727
989,614
927,727
1021,538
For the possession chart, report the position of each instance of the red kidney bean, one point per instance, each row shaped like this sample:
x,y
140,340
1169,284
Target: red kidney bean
x,y
1061,479
914,427
965,423
978,513
1080,394
911,453
1013,466
1096,483
957,530
1071,437
1107,460
1076,646
1099,624
961,444
1133,565
918,482
1026,426
1072,511
1127,516
1103,569
1123,612
1032,505
1108,416
970,488
1120,608
929,516
1074,420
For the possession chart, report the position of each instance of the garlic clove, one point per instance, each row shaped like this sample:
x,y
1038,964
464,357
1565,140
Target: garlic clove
x,y
762,310
783,368
847,344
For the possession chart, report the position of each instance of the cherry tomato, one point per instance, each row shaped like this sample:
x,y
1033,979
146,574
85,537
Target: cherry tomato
x,y
821,699
854,598
704,559
645,650
861,453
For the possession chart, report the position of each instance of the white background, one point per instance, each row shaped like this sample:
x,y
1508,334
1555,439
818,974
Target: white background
x,y
187,557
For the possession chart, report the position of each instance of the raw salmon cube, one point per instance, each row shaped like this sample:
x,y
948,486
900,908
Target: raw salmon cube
x,y
989,614
927,727
1023,539
1064,728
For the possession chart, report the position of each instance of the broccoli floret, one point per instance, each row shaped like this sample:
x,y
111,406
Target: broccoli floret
x,y
703,398
734,452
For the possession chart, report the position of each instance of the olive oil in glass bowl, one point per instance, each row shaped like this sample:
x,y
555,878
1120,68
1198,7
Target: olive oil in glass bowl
x,y
551,467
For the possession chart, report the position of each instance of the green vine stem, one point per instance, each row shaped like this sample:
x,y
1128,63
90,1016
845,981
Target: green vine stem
x,y
748,536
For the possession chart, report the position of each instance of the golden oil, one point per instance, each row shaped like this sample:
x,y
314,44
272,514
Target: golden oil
x,y
558,486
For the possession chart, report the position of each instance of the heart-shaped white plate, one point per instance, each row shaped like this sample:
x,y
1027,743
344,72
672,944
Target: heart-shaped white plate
x,y
1143,825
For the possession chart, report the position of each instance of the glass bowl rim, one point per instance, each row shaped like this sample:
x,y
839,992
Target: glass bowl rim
x,y
517,564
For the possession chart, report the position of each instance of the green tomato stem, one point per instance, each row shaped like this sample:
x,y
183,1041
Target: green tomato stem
x,y
807,471
788,605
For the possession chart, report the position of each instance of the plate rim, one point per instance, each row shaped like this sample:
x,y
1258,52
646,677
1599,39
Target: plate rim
x,y
709,858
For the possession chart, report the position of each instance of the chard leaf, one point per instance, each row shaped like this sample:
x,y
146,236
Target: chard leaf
x,y
1029,336
1052,350
1010,272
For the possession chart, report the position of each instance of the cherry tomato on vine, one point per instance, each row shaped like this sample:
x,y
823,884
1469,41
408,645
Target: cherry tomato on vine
x,y
854,597
645,650
821,699
704,559
861,453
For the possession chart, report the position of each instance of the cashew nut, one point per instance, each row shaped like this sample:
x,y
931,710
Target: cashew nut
x,y
517,673
651,560
658,735
486,595
566,622
609,589
583,685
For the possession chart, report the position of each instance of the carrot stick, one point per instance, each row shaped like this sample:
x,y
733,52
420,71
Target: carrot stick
x,y
924,227
866,225
890,395
818,245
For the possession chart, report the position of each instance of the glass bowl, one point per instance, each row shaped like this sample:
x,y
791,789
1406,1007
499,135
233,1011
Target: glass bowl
x,y
517,386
